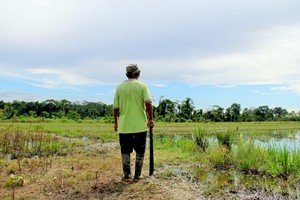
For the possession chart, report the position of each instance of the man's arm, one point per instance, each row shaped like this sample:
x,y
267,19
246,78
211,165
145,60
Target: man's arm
x,y
116,113
149,110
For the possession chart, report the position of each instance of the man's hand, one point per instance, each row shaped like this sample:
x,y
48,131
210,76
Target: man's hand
x,y
149,110
116,127
150,124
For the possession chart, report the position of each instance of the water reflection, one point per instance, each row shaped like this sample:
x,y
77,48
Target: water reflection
x,y
291,144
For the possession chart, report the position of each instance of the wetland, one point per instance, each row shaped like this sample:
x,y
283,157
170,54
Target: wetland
x,y
64,159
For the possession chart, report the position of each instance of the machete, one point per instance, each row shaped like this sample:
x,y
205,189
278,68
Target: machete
x,y
151,163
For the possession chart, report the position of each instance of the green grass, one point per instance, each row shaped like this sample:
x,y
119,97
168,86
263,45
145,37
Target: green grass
x,y
283,161
201,138
249,158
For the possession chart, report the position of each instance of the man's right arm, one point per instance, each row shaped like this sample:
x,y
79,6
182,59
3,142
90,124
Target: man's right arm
x,y
149,110
116,113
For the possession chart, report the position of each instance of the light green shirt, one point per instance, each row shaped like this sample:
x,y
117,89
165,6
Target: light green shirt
x,y
130,98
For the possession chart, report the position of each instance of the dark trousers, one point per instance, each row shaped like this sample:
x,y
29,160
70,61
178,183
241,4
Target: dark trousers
x,y
133,141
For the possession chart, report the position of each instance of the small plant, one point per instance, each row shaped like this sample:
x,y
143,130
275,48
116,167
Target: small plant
x,y
226,138
13,182
96,180
201,138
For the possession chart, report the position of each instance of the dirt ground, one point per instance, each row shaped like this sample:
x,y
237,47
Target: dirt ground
x,y
100,178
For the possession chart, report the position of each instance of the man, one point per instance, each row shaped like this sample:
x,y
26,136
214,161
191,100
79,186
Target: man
x,y
132,103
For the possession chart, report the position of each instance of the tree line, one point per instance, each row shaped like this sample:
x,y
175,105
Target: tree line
x,y
55,109
166,110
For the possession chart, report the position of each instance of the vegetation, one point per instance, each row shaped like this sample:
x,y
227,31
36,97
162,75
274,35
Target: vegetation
x,y
201,138
66,159
166,110
68,150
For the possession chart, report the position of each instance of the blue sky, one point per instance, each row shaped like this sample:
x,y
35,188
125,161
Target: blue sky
x,y
215,52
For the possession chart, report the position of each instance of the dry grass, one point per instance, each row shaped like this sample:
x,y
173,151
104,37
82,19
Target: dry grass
x,y
87,175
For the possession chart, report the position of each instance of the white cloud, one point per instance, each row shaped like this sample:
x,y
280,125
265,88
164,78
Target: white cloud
x,y
273,59
158,84
64,43
21,96
51,78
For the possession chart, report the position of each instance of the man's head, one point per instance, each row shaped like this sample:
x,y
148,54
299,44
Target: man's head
x,y
132,71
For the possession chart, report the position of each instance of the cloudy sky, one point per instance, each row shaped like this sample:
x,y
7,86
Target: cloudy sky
x,y
216,52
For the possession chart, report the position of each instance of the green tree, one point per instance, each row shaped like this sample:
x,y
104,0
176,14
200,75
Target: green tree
x,y
73,115
186,108
51,106
216,114
64,106
2,105
233,113
19,107
8,111
165,107
263,113
279,112
247,115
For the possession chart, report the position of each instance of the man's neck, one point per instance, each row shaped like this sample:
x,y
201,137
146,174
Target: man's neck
x,y
132,79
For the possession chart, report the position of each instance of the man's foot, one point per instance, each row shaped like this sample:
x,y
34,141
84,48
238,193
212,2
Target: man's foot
x,y
137,179
126,178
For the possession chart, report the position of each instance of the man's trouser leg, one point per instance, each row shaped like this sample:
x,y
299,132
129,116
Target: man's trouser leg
x,y
138,166
139,147
126,165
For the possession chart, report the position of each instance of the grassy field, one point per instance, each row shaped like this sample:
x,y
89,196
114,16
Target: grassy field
x,y
60,159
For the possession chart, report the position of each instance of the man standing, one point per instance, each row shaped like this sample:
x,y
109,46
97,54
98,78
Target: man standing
x,y
132,103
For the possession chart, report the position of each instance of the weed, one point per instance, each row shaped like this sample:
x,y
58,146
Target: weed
x,y
249,158
13,182
201,138
283,161
16,143
219,157
226,138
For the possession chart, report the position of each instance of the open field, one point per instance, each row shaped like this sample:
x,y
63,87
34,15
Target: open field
x,y
59,159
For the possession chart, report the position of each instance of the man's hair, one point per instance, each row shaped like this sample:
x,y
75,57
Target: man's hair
x,y
133,75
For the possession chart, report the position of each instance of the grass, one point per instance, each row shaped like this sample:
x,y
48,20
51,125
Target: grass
x,y
283,161
226,138
249,158
58,158
201,138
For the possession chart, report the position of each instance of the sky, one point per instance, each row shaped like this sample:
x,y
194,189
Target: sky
x,y
215,52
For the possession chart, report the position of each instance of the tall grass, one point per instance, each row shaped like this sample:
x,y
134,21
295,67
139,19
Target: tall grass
x,y
273,160
201,138
17,143
283,161
249,158
226,138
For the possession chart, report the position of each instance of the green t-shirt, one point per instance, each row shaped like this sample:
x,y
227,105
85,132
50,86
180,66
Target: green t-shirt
x,y
130,98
